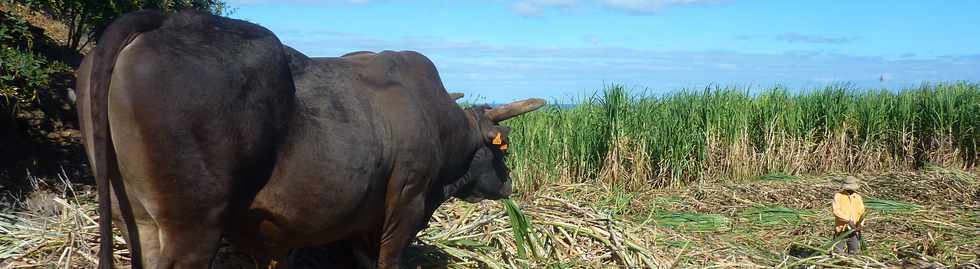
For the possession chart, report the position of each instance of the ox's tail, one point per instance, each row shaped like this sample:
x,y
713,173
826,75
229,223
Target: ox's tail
x,y
115,37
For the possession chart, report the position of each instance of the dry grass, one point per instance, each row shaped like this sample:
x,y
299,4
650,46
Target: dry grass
x,y
58,231
923,218
916,219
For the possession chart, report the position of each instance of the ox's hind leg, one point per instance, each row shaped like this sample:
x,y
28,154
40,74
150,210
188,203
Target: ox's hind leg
x,y
136,215
179,220
184,212
179,191
191,245
180,217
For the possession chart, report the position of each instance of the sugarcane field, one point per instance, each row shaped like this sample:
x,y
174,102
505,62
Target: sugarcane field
x,y
246,134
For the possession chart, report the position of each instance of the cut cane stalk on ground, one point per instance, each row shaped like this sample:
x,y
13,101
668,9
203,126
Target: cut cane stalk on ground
x,y
570,227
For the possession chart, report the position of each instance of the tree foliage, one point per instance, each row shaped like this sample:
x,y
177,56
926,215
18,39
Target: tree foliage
x,y
22,69
86,19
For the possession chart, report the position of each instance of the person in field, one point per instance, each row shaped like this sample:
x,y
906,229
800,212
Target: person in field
x,y
849,214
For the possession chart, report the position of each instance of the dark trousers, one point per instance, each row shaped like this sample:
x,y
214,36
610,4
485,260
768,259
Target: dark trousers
x,y
852,242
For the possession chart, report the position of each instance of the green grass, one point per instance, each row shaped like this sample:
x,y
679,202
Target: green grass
x,y
693,222
520,227
634,141
619,201
773,215
890,206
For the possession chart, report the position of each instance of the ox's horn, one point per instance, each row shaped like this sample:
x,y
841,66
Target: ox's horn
x,y
504,112
455,95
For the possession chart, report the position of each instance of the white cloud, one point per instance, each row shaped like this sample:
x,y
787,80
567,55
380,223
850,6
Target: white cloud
x,y
526,9
793,37
531,8
727,66
650,6
536,7
592,39
886,76
502,72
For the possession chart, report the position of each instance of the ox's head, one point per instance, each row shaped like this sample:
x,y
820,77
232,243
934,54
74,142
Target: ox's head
x,y
487,176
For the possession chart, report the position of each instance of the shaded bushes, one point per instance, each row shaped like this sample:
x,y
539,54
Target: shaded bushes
x,y
37,120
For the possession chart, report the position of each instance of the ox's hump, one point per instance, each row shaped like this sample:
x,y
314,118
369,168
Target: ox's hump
x,y
356,53
193,20
396,71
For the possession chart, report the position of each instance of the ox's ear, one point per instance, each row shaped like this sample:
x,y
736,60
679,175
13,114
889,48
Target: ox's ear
x,y
455,95
504,112
498,137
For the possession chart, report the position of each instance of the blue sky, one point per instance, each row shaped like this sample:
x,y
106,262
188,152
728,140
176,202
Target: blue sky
x,y
501,50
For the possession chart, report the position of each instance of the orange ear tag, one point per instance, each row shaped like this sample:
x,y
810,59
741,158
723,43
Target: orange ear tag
x,y
497,140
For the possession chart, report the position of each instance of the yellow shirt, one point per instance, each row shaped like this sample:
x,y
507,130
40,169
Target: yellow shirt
x,y
847,208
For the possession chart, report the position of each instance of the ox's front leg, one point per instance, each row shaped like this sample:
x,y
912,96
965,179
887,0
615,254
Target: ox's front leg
x,y
404,211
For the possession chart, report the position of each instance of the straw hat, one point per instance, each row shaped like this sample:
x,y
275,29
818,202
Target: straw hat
x,y
852,183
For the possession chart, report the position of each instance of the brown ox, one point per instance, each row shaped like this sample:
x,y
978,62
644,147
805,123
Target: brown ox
x,y
205,127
